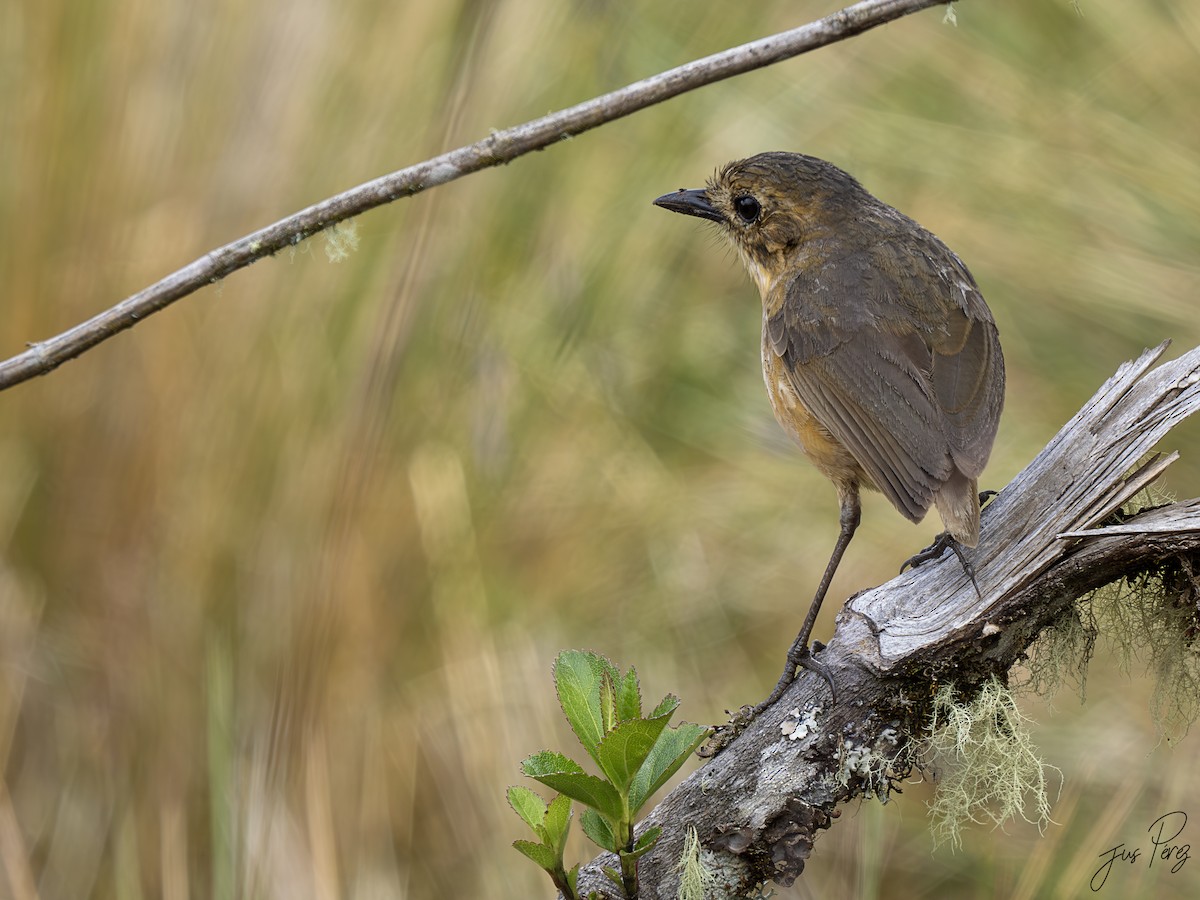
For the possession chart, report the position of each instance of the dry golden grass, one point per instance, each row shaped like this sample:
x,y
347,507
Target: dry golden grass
x,y
282,571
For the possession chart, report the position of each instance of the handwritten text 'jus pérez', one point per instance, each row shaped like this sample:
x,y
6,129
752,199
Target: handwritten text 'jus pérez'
x,y
1166,849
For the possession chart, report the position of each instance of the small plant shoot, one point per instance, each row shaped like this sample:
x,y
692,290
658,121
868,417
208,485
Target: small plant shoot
x,y
634,753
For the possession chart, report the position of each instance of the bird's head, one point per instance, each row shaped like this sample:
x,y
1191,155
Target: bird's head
x,y
780,210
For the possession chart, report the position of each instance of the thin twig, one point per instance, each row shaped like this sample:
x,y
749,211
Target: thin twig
x,y
500,147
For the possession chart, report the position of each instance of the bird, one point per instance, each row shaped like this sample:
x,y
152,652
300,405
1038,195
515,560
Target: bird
x,y
880,357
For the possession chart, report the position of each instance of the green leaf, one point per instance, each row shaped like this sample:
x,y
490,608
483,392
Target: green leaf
x,y
625,748
646,840
596,827
666,706
615,877
588,790
573,880
577,679
549,761
608,703
670,752
528,805
566,776
539,853
629,697
558,822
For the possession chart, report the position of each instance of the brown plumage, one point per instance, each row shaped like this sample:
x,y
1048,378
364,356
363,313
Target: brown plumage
x,y
879,354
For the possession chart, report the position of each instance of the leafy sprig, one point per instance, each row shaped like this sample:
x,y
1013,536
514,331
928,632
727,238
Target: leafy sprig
x,y
635,754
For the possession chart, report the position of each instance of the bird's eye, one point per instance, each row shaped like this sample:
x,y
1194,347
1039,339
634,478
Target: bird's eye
x,y
747,207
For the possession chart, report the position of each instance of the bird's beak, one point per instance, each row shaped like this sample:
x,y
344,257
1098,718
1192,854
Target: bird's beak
x,y
690,203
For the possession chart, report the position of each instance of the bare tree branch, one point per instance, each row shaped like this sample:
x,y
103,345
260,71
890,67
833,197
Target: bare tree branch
x,y
498,148
1046,542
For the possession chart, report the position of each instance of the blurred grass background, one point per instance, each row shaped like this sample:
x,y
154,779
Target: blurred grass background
x,y
282,571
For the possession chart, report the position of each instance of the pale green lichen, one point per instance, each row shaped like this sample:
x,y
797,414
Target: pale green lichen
x,y
341,241
696,882
875,766
1152,618
989,767
1061,654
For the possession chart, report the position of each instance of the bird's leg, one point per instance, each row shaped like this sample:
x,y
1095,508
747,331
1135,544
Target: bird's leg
x,y
800,654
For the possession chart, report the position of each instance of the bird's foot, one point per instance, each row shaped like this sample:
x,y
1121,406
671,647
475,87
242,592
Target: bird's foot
x,y
799,657
943,542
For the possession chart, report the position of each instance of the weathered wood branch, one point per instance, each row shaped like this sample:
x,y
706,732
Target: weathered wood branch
x,y
1051,536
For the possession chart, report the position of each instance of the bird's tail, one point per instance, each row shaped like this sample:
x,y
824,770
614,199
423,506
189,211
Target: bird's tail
x,y
958,504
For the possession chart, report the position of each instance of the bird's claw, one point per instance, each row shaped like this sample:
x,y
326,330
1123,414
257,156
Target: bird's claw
x,y
808,661
943,542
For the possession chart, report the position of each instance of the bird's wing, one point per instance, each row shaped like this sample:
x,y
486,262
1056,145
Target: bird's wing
x,y
967,375
912,401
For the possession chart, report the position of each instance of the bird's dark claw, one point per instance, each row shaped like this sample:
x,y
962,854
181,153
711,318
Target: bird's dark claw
x,y
808,661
